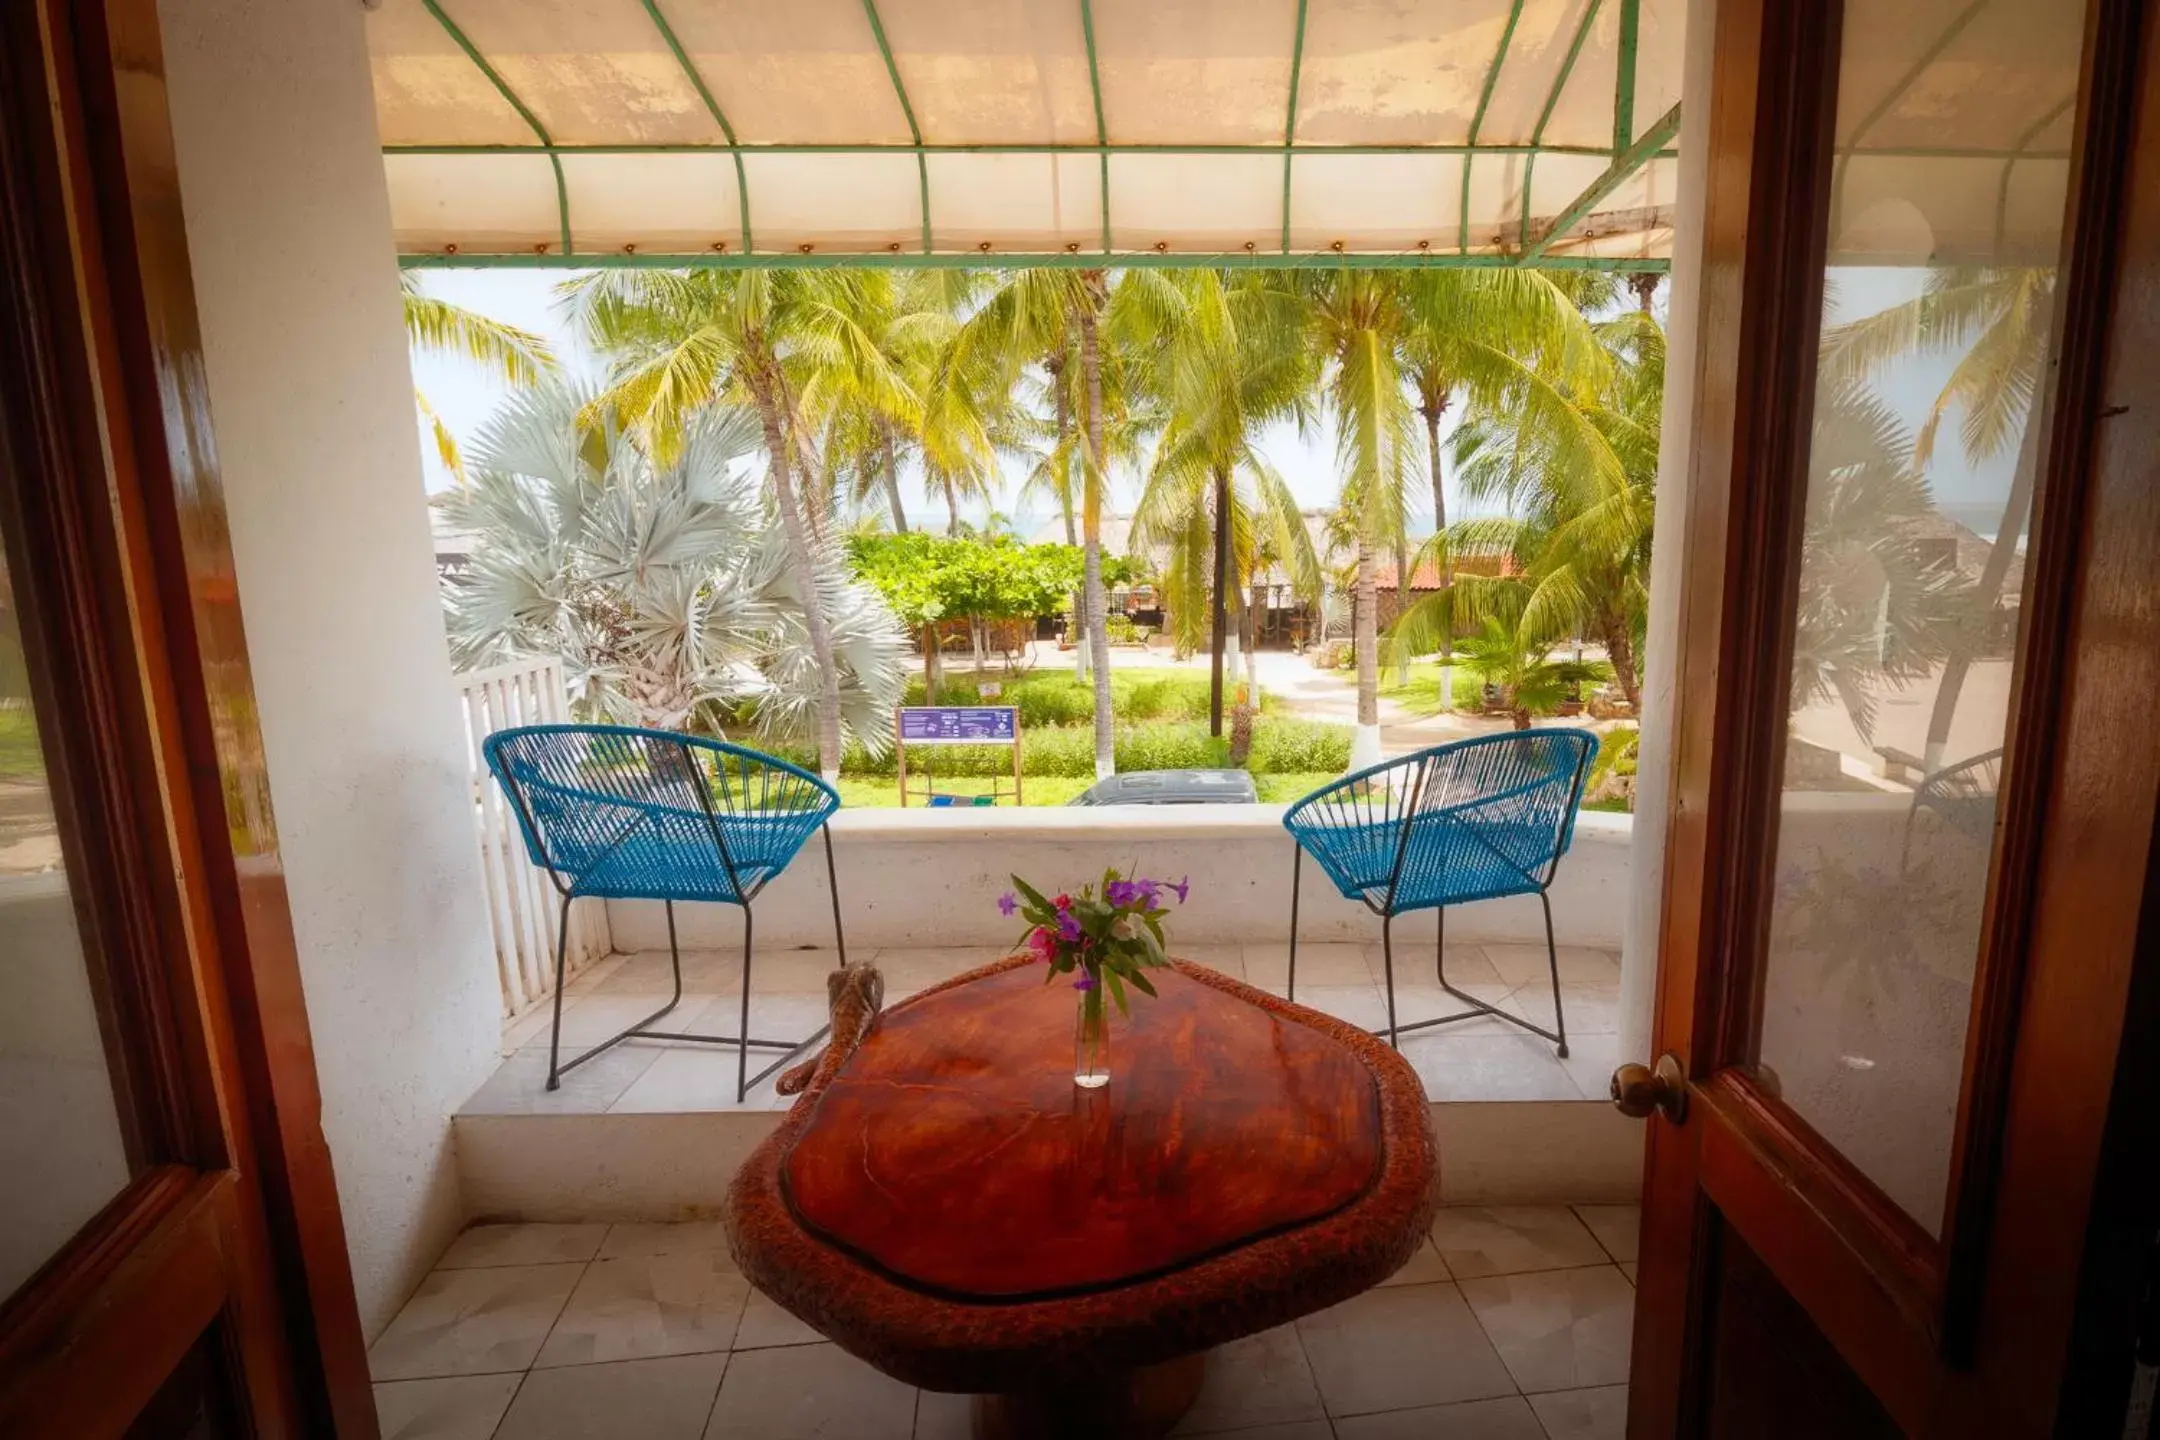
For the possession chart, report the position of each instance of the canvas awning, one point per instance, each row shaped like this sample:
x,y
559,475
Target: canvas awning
x,y
1058,131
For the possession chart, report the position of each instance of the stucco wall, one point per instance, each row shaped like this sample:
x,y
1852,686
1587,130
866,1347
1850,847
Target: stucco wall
x,y
931,877
289,230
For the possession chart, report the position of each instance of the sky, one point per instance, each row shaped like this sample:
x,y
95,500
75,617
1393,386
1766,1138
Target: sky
x,y
464,396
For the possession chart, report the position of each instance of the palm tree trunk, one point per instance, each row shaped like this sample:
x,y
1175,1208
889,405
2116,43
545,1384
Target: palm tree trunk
x,y
892,478
1402,603
933,664
1064,434
1217,623
1620,650
803,560
1432,414
1098,638
1986,590
952,508
1364,635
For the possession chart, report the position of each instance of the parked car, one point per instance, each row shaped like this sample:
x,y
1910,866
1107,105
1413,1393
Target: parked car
x,y
1172,787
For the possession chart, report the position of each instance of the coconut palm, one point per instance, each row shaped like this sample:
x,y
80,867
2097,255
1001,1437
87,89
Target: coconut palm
x,y
681,340
1998,320
518,356
664,587
1517,662
1571,555
1233,361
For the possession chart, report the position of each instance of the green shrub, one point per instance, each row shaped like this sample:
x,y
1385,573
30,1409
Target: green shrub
x,y
1286,746
1170,746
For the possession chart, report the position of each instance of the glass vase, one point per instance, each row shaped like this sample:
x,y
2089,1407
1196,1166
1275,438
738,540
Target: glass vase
x,y
1091,1041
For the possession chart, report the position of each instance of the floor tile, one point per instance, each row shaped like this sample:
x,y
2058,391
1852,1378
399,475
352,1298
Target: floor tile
x,y
1466,964
1617,1227
1627,1268
1359,1005
645,1308
519,1084
944,1417
1425,1267
1401,1346
646,1399
1506,1418
1260,1380
589,979
463,1407
487,1245
1590,1062
802,972
646,972
473,1322
1416,1002
1558,1329
1267,965
912,969
1599,1414
809,1392
1521,964
1488,1067
1292,1430
1228,958
590,1019
688,1079
630,1242
765,1324
1478,1240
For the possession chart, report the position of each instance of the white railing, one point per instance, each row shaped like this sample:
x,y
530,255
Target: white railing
x,y
522,901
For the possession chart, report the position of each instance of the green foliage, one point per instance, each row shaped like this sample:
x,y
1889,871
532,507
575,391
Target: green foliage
x,y
928,578
1068,751
1287,746
1529,682
1059,697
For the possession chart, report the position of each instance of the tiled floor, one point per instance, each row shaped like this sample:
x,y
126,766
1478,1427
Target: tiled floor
x,y
1481,1059
1512,1324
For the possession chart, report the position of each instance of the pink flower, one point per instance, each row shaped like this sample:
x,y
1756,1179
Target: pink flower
x,y
1040,941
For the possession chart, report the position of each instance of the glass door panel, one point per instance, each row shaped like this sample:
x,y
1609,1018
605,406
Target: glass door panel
x,y
1946,220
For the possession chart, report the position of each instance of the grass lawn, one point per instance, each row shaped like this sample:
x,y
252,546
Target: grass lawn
x,y
20,758
1421,695
868,791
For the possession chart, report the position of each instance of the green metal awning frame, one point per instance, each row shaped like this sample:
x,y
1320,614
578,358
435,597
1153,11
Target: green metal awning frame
x,y
1627,155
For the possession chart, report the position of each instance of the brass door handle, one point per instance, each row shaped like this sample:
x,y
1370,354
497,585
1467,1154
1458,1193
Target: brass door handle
x,y
1638,1089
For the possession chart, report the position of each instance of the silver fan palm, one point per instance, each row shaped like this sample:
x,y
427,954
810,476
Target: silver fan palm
x,y
661,587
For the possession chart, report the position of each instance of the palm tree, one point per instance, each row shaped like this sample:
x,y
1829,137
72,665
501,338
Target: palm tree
x,y
1234,360
680,340
1068,321
1517,662
2000,318
1501,337
1573,549
665,588
517,356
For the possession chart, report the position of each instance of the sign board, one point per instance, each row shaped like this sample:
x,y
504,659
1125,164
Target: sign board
x,y
959,724
934,725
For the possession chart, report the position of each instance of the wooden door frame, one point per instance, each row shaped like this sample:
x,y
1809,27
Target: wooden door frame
x,y
1956,1331
132,626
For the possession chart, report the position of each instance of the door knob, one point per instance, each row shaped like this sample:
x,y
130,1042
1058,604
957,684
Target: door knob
x,y
1638,1089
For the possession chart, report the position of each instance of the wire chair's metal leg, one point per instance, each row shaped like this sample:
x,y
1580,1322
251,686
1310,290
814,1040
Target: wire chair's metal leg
x,y
562,946
1439,945
1387,955
1297,875
675,963
832,881
1552,960
742,1027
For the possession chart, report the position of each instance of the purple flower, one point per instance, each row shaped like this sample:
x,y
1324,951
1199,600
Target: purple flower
x,y
1180,887
1007,904
1085,982
1068,927
1121,892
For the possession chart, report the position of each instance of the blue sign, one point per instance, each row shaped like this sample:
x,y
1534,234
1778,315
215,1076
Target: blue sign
x,y
959,724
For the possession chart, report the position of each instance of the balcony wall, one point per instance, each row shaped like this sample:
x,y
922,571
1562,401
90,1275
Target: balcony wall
x,y
932,877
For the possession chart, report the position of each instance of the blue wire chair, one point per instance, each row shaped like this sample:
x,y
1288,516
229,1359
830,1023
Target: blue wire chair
x,y
628,814
1471,820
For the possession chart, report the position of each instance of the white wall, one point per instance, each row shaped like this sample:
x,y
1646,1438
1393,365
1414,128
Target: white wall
x,y
932,877
1653,766
288,227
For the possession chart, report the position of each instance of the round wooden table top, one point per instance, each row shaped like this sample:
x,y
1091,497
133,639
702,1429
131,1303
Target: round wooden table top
x,y
948,1205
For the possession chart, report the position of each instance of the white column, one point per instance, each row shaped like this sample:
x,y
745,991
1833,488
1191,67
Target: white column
x,y
288,227
1653,774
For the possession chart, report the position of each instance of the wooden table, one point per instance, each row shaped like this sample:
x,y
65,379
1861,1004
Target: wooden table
x,y
946,1204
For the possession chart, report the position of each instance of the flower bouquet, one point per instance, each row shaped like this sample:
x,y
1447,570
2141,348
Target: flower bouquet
x,y
1105,940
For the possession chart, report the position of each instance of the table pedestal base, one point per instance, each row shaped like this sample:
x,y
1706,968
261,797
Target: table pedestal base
x,y
1139,1404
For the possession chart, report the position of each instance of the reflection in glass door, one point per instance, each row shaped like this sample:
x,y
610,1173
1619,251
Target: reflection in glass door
x,y
1936,332
60,1137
